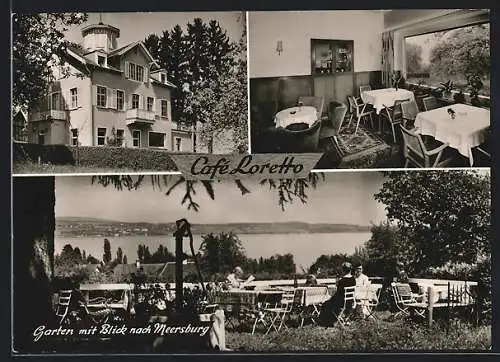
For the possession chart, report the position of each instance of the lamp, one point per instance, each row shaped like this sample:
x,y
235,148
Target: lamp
x,y
279,47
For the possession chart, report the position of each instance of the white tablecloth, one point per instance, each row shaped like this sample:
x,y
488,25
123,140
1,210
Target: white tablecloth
x,y
467,130
387,96
304,114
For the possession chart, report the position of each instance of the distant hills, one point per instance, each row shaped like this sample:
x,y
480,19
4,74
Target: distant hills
x,y
83,226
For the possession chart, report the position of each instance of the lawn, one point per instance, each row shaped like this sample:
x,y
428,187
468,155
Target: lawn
x,y
383,334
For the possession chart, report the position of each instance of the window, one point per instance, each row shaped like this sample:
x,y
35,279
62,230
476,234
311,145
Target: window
x,y
455,54
74,97
101,136
135,101
120,97
136,72
101,96
331,56
164,108
74,137
163,77
119,136
101,60
41,137
151,101
56,101
156,139
178,142
136,138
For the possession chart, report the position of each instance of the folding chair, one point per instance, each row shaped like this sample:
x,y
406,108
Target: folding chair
x,y
279,313
63,304
345,312
405,301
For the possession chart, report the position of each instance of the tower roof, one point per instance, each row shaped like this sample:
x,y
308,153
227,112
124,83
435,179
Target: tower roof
x,y
89,28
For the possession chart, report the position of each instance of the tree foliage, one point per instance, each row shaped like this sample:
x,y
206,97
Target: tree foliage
x,y
442,216
106,257
220,253
37,39
413,58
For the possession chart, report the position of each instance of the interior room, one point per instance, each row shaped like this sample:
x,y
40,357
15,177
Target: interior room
x,y
372,88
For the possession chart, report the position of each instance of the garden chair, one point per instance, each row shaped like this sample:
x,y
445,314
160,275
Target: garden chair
x,y
394,115
358,110
345,313
369,298
63,304
418,153
405,301
279,313
316,102
430,103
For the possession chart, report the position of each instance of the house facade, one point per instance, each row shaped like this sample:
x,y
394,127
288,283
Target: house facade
x,y
112,96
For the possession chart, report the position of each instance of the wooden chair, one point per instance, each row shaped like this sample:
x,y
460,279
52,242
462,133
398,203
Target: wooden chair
x,y
409,111
337,112
359,110
394,115
405,301
430,103
345,313
416,151
364,88
316,102
63,304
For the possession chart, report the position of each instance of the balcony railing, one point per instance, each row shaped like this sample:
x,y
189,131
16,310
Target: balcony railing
x,y
182,127
50,114
140,116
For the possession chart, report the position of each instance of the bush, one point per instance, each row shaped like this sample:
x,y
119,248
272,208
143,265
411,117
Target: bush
x,y
100,157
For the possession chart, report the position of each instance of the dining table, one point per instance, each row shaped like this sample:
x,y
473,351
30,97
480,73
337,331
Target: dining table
x,y
461,126
380,98
299,114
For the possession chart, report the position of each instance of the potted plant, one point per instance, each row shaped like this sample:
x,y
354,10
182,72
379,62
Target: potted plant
x,y
459,97
474,84
447,88
397,79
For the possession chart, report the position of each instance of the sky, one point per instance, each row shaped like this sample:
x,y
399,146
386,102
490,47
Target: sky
x,y
136,26
343,197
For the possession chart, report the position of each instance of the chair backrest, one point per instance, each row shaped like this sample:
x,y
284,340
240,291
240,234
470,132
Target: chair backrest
x,y
298,297
337,114
409,110
402,293
349,295
352,104
364,88
412,142
430,103
316,102
300,141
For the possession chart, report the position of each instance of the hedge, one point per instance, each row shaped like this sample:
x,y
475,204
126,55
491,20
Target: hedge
x,y
90,156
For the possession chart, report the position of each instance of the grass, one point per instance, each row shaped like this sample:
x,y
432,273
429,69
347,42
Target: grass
x,y
34,168
366,336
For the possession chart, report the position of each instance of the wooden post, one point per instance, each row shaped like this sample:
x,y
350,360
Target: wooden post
x,y
430,303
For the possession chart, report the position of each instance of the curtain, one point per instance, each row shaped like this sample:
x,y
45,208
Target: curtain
x,y
387,58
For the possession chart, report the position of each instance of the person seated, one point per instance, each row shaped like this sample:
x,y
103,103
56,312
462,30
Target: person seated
x,y
361,279
332,307
311,281
401,275
235,280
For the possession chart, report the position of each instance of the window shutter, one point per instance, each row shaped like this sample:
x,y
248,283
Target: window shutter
x,y
146,74
113,98
127,68
67,99
129,103
158,107
94,95
141,102
169,111
78,94
109,100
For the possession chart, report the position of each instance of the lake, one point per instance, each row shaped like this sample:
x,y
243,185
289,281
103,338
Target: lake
x,y
304,247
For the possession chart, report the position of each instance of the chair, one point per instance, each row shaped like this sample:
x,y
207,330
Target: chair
x,y
358,110
344,315
405,301
394,115
430,103
485,147
364,88
280,312
316,102
367,296
63,304
337,112
409,111
416,151
299,141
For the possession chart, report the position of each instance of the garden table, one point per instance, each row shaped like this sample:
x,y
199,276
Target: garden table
x,y
300,114
385,97
467,130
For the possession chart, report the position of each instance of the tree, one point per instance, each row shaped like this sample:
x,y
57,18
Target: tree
x,y
119,256
125,260
106,257
220,253
413,58
37,40
442,216
329,265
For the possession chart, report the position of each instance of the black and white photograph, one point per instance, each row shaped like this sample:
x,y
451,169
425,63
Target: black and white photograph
x,y
372,88
120,92
338,262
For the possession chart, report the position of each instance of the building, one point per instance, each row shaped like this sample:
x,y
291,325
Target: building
x,y
111,96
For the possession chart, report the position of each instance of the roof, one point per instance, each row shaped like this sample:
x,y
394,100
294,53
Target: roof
x,y
101,26
127,48
166,84
79,55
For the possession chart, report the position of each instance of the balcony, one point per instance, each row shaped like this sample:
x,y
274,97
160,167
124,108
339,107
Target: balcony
x,y
50,114
181,127
139,116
